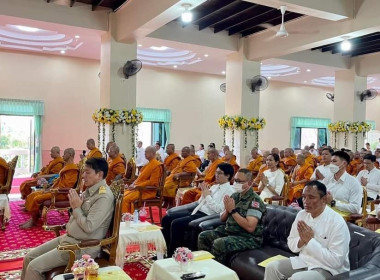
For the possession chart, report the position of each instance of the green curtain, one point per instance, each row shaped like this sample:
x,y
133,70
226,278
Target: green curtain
x,y
158,115
297,122
16,107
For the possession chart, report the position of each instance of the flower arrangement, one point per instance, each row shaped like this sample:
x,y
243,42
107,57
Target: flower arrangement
x,y
357,127
340,126
183,255
85,266
349,127
111,116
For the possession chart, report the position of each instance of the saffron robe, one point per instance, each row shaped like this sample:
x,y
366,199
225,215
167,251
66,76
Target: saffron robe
x,y
94,153
254,165
197,161
68,177
171,162
300,173
289,162
150,175
194,194
171,185
257,179
355,166
53,167
116,167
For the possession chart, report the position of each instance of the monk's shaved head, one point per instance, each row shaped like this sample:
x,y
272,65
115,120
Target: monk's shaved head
x,y
90,144
70,152
55,151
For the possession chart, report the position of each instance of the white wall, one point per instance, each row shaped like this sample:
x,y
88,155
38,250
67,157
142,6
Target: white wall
x,y
194,99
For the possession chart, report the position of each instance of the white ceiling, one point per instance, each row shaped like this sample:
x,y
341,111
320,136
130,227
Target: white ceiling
x,y
179,56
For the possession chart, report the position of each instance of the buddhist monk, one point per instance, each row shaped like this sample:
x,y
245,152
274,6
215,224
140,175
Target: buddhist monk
x,y
355,165
94,151
231,159
263,167
109,144
309,158
289,160
300,176
319,157
116,164
185,167
149,176
225,149
209,176
53,167
172,160
277,151
3,171
255,163
197,160
68,178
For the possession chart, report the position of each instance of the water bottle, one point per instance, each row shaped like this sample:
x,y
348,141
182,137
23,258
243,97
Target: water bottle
x,y
136,216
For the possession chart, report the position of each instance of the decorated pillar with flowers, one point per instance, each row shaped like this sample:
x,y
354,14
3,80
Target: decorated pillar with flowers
x,y
241,104
116,120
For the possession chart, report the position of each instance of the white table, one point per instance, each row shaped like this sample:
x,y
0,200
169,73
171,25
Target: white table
x,y
168,269
132,236
105,273
5,211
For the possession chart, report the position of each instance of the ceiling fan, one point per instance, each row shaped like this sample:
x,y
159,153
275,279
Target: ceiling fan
x,y
282,32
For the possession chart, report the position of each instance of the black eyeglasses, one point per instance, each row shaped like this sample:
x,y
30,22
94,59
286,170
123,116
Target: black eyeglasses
x,y
240,181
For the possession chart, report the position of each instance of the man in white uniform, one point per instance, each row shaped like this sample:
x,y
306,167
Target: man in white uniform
x,y
370,177
344,192
319,235
323,170
140,156
201,152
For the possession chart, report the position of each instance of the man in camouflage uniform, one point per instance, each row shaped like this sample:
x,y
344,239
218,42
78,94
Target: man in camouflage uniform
x,y
90,219
243,216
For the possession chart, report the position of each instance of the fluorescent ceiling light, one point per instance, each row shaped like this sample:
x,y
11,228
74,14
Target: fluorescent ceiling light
x,y
77,36
308,70
206,55
63,52
162,48
187,15
139,45
175,66
27,28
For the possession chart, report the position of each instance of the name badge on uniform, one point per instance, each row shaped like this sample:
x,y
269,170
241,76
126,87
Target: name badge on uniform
x,y
255,204
102,189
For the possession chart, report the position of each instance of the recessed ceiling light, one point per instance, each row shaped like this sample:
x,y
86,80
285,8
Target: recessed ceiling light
x,y
187,15
175,66
223,72
27,28
345,45
76,36
205,55
139,45
305,82
162,48
269,78
261,63
308,70
63,52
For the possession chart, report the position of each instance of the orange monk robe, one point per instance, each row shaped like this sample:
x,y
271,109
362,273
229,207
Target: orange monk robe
x,y
354,167
68,178
195,193
95,153
171,185
171,162
3,171
53,167
319,160
300,173
310,160
289,162
257,180
115,167
197,161
234,164
150,176
254,165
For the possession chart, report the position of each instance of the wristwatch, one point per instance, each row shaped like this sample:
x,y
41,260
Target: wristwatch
x,y
332,203
233,211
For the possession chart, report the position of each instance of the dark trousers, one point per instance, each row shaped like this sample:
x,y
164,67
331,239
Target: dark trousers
x,y
175,227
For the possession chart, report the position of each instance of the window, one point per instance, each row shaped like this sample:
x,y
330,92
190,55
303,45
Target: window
x,y
151,132
306,136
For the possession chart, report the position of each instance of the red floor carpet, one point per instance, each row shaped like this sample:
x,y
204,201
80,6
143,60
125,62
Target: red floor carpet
x,y
15,243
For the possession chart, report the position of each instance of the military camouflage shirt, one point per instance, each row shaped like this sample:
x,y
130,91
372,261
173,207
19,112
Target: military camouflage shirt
x,y
248,204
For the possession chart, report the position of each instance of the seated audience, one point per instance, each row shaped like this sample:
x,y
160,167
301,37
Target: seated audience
x,y
109,144
377,155
272,180
355,165
211,202
172,160
160,151
277,151
3,171
370,177
323,170
94,151
150,175
209,177
231,159
197,159
185,167
289,160
201,152
90,219
344,191
300,176
309,158
116,164
140,156
255,163
320,236
368,147
263,167
53,167
222,153
68,177
243,215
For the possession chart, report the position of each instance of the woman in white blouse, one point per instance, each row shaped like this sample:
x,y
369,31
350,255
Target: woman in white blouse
x,y
272,180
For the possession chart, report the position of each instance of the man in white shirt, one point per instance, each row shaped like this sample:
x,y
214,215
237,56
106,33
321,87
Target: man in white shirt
x,y
140,156
160,150
201,152
211,202
323,170
319,235
370,177
312,149
344,192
